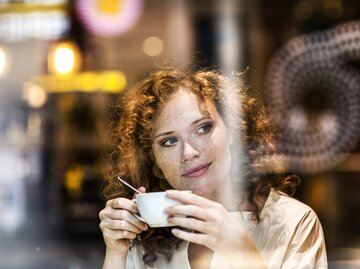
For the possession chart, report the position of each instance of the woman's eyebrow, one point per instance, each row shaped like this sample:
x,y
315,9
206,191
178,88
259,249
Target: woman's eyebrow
x,y
193,123
198,120
163,134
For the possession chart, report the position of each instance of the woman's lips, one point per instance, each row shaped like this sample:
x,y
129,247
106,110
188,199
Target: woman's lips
x,y
196,171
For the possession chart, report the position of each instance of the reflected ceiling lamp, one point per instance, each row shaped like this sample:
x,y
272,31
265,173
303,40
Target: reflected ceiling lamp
x,y
313,92
109,17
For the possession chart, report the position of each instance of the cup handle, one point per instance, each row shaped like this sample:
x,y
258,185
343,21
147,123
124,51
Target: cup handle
x,y
138,215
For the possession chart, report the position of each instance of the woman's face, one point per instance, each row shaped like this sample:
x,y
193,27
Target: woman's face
x,y
191,144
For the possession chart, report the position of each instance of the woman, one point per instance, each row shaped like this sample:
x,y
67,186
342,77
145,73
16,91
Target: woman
x,y
176,132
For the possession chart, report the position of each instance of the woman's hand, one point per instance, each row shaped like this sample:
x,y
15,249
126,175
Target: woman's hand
x,y
213,227
119,225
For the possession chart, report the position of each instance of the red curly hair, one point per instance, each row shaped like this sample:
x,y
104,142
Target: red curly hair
x,y
131,156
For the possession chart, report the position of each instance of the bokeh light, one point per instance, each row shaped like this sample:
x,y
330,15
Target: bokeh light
x,y
64,58
153,46
109,17
34,95
106,81
3,61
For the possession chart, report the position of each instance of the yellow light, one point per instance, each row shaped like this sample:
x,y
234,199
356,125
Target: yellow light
x,y
106,81
74,178
113,81
110,7
153,46
3,62
87,81
64,58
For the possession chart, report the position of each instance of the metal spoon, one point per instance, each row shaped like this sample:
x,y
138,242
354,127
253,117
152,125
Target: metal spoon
x,y
127,184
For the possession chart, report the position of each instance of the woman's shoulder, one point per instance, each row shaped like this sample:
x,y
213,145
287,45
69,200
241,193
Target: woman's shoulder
x,y
291,229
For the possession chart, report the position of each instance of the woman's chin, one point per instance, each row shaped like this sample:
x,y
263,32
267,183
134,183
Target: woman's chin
x,y
204,191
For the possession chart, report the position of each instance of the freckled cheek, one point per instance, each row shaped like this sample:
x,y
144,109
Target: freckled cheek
x,y
221,151
171,173
217,144
168,163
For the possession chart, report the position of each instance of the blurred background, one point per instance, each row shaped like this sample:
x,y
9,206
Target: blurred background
x,y
63,63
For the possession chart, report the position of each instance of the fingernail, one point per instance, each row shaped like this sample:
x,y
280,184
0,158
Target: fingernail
x,y
166,210
175,231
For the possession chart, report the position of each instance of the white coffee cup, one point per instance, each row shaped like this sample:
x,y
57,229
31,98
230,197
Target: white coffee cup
x,y
151,206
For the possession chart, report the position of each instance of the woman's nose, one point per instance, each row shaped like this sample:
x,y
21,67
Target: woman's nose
x,y
189,152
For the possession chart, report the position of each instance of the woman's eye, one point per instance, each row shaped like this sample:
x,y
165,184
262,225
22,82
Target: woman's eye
x,y
169,142
205,128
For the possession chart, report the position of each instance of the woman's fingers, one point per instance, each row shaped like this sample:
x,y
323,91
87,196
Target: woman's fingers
x,y
121,225
123,203
194,206
197,238
191,224
141,189
118,234
186,197
188,210
121,209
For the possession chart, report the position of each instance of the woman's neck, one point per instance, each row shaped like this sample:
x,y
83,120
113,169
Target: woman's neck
x,y
226,196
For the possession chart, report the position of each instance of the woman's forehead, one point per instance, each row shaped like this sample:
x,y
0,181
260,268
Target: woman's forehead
x,y
184,106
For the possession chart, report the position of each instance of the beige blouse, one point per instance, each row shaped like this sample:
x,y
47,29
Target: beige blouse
x,y
288,236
